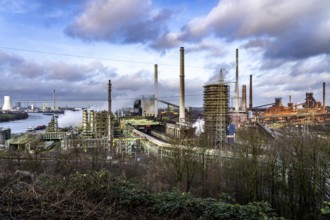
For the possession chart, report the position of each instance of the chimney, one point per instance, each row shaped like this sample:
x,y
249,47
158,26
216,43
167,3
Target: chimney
x,y
182,96
109,112
244,98
54,96
156,90
236,89
324,106
251,104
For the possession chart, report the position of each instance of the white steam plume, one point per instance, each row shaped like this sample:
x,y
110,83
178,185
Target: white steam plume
x,y
199,125
70,118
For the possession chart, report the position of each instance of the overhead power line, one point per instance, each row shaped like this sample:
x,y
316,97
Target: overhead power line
x,y
94,100
97,58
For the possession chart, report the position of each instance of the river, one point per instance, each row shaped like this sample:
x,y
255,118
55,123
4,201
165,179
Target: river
x,y
20,126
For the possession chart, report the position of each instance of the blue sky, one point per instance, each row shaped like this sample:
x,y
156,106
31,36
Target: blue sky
x,y
75,46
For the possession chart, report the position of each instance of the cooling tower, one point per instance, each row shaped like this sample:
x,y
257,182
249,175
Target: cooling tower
x,y
6,104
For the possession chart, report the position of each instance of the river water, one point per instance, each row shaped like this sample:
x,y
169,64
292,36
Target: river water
x,y
68,119
20,126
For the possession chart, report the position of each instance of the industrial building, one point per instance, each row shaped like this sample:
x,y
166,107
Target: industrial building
x,y
306,112
216,115
5,134
95,124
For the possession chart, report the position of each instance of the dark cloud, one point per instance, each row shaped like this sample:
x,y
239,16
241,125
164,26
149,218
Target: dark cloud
x,y
131,21
272,63
256,43
299,45
166,41
317,66
286,29
27,80
142,80
33,82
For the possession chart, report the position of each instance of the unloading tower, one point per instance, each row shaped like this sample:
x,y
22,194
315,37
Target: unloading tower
x,y
216,116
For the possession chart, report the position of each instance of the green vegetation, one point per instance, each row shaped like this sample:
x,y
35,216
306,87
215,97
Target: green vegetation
x,y
100,195
258,178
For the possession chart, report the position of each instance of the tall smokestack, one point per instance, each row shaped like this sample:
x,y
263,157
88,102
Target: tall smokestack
x,y
244,98
109,112
251,104
156,90
54,97
236,89
182,96
324,107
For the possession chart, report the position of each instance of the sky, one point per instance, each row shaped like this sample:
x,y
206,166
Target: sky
x,y
76,46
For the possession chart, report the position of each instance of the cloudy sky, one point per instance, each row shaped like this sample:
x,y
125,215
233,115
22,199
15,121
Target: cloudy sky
x,y
76,46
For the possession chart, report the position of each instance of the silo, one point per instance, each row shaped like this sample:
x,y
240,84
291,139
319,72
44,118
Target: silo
x,y
216,116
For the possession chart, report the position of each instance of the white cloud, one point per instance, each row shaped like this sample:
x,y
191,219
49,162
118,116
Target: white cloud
x,y
129,21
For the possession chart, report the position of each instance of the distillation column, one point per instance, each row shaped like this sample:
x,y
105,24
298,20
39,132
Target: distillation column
x,y
250,95
109,113
156,90
324,106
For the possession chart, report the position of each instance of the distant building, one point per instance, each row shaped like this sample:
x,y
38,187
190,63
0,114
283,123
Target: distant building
x,y
5,134
18,105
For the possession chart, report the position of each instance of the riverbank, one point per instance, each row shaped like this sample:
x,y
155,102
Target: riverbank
x,y
12,116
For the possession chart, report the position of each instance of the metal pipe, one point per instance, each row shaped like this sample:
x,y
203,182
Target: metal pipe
x,y
244,98
237,90
182,95
156,90
109,112
324,107
251,104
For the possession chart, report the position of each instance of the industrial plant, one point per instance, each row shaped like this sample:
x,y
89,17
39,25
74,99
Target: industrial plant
x,y
153,142
145,120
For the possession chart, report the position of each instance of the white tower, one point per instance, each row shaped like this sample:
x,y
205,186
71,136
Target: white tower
x,y
6,104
